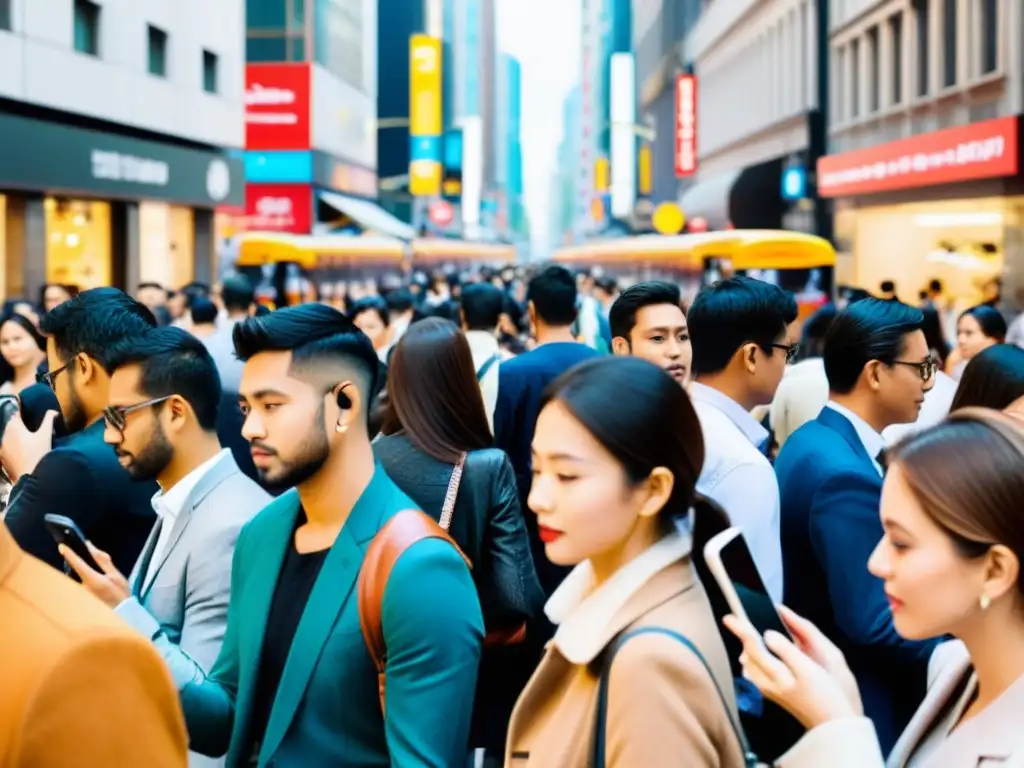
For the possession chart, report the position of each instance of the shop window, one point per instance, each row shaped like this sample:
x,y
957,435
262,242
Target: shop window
x,y
896,36
855,79
266,48
5,14
874,74
157,52
78,243
989,36
921,18
87,27
210,74
949,42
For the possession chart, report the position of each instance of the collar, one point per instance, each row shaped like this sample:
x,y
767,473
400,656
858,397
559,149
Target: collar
x,y
169,505
588,618
752,429
482,342
872,441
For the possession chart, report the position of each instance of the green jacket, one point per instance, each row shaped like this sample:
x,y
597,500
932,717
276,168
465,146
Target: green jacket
x,y
327,710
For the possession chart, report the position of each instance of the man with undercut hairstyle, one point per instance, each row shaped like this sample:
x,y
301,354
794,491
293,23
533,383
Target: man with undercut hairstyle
x,y
294,683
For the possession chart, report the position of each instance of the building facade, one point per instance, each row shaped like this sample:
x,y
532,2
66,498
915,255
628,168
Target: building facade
x,y
128,119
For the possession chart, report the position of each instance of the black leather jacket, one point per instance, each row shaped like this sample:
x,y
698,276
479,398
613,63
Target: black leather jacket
x,y
487,522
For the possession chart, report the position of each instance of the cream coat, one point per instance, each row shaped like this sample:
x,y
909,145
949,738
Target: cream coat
x,y
663,708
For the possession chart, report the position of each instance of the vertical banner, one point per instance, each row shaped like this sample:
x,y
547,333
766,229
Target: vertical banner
x,y
686,125
645,171
472,174
623,138
425,115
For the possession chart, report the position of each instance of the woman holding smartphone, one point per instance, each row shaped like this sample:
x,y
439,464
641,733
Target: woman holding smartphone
x,y
616,455
951,562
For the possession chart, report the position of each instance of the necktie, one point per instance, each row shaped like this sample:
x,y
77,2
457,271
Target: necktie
x,y
883,460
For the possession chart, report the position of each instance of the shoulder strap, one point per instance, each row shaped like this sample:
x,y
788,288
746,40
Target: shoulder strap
x,y
448,509
398,534
601,723
488,364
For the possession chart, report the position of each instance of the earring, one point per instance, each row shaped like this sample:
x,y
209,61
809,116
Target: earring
x,y
341,428
985,601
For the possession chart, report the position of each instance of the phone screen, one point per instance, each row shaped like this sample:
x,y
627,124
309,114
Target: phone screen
x,y
750,589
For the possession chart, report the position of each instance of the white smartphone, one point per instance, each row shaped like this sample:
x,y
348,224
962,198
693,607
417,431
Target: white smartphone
x,y
732,565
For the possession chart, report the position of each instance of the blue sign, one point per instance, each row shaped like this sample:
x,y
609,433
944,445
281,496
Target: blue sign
x,y
425,148
279,167
794,183
453,150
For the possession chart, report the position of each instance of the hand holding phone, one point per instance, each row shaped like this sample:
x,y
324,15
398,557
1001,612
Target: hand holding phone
x,y
64,531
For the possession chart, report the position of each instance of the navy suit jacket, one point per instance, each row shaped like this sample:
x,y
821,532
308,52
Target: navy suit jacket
x,y
830,490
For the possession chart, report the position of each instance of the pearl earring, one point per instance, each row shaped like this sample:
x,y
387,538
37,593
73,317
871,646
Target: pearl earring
x,y
341,427
985,601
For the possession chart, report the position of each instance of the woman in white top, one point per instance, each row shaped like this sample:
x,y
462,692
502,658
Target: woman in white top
x,y
951,561
23,349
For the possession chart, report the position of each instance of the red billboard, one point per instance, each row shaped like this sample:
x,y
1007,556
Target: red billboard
x,y
686,125
279,208
277,106
984,150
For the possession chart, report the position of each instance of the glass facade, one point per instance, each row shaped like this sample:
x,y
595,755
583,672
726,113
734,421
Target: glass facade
x,y
78,247
339,39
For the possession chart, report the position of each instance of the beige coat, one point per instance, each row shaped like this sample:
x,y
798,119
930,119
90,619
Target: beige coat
x,y
663,708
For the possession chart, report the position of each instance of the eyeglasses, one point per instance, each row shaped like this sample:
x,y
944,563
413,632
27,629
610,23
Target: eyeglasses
x,y
791,350
925,369
50,378
117,416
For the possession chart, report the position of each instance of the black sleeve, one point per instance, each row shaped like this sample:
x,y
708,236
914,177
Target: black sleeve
x,y
61,483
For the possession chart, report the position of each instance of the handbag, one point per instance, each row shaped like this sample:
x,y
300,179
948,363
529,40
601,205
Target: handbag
x,y
601,720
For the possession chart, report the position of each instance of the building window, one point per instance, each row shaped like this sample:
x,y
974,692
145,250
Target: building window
x,y
266,48
949,42
989,36
87,27
5,14
874,71
296,49
921,22
157,52
210,63
839,78
896,34
855,80
260,14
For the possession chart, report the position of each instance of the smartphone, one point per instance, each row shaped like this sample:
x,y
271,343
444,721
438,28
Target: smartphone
x,y
730,562
64,531
8,407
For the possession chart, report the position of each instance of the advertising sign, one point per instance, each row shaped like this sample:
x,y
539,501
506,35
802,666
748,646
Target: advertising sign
x,y
984,150
686,125
425,116
279,208
277,106
441,213
623,140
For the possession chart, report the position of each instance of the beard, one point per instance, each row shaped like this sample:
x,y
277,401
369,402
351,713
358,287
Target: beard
x,y
75,418
152,460
289,474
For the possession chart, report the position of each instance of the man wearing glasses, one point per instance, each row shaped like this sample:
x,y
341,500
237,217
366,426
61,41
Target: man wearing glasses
x,y
830,472
80,478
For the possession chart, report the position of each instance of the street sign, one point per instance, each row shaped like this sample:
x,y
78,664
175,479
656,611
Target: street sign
x,y
441,213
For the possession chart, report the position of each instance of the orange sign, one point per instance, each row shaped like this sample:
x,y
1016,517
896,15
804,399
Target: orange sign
x,y
985,150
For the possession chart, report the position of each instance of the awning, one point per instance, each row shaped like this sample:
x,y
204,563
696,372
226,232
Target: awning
x,y
369,216
709,199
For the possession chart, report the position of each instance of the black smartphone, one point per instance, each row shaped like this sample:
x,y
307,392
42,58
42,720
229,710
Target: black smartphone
x,y
8,407
64,531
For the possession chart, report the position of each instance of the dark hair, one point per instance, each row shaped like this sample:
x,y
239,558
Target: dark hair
x,y
871,329
653,425
482,305
400,300
203,311
887,286
447,417
730,313
262,310
622,315
27,326
370,304
237,293
812,341
933,335
152,285
70,290
94,322
991,321
976,498
993,378
935,286
174,362
314,334
552,291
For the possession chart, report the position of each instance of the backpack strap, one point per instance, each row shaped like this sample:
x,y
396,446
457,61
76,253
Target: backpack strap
x,y
448,508
601,722
392,540
488,364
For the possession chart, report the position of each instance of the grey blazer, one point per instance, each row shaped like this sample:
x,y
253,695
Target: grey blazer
x,y
183,608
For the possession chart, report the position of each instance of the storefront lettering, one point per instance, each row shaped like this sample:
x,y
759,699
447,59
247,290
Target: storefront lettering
x,y
260,96
115,166
686,125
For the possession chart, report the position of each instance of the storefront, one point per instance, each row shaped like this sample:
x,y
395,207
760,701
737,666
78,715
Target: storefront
x,y
947,205
106,209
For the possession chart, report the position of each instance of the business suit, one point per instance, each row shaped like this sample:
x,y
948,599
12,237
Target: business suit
x,y
327,710
81,478
663,706
183,605
77,686
989,739
830,489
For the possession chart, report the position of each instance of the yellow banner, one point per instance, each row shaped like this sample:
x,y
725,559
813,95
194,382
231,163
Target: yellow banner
x,y
602,175
425,178
644,171
424,86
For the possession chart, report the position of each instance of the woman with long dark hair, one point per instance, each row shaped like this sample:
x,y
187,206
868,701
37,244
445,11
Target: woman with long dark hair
x,y
637,673
993,379
23,349
977,329
438,448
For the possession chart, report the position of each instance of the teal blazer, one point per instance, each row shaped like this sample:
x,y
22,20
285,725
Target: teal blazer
x,y
327,710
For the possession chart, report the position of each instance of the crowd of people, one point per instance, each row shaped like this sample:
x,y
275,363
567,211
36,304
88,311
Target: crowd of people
x,y
462,522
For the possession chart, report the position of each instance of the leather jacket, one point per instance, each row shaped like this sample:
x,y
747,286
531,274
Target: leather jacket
x,y
487,522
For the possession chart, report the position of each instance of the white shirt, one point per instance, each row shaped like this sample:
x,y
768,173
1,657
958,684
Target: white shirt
x,y
740,479
872,441
801,395
483,346
934,409
168,507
